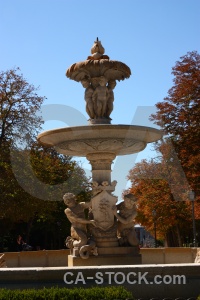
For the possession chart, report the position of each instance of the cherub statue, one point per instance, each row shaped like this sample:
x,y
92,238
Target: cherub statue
x,y
88,97
99,98
127,213
110,99
75,214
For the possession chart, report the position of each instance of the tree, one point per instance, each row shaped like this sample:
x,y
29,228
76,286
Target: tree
x,y
19,123
24,163
157,182
179,115
19,105
37,201
151,184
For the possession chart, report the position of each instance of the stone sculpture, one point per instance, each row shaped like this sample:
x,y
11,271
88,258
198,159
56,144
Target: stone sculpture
x,y
88,98
100,97
125,216
110,98
75,213
98,75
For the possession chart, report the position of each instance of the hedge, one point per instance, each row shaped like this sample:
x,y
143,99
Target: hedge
x,y
55,293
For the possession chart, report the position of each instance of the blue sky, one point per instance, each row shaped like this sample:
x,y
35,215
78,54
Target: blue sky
x,y
44,37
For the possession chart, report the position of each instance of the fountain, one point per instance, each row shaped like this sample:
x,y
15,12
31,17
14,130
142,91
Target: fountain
x,y
107,237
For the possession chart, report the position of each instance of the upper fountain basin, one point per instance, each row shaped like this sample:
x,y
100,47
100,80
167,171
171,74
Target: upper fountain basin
x,y
116,139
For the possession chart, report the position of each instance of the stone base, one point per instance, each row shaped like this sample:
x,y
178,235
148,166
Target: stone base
x,y
24,278
109,257
99,121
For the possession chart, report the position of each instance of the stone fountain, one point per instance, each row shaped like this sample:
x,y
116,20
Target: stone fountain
x,y
107,236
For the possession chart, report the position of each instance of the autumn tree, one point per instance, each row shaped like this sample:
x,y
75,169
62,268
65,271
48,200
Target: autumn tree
x,y
150,182
179,116
161,183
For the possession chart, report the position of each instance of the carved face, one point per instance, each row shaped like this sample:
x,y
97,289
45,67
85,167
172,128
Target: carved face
x,y
85,83
69,201
112,84
129,203
102,81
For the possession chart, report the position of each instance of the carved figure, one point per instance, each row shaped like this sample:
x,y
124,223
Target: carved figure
x,y
110,100
88,98
99,98
127,213
75,214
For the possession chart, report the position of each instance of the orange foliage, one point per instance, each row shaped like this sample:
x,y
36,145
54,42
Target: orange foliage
x,y
159,183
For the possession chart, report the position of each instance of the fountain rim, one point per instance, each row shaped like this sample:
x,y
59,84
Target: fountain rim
x,y
99,127
70,134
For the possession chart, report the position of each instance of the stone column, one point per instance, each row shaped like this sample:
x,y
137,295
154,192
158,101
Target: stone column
x,y
101,166
105,233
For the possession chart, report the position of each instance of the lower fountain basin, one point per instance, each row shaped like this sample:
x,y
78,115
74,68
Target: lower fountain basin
x,y
105,138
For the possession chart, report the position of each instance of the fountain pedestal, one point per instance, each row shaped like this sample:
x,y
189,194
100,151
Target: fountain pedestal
x,y
108,256
101,166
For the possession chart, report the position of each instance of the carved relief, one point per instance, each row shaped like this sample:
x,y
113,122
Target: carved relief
x,y
110,233
112,145
102,210
104,186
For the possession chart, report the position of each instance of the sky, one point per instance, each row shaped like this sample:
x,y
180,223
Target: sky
x,y
44,37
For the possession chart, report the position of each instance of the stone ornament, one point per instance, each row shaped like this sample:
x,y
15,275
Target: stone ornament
x,y
104,186
97,51
98,75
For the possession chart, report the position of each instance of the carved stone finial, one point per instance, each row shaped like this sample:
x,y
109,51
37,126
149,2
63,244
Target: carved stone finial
x,y
97,48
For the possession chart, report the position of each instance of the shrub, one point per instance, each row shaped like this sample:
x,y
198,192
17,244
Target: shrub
x,y
55,293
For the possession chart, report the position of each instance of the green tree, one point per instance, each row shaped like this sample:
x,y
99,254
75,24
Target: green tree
x,y
19,105
31,176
